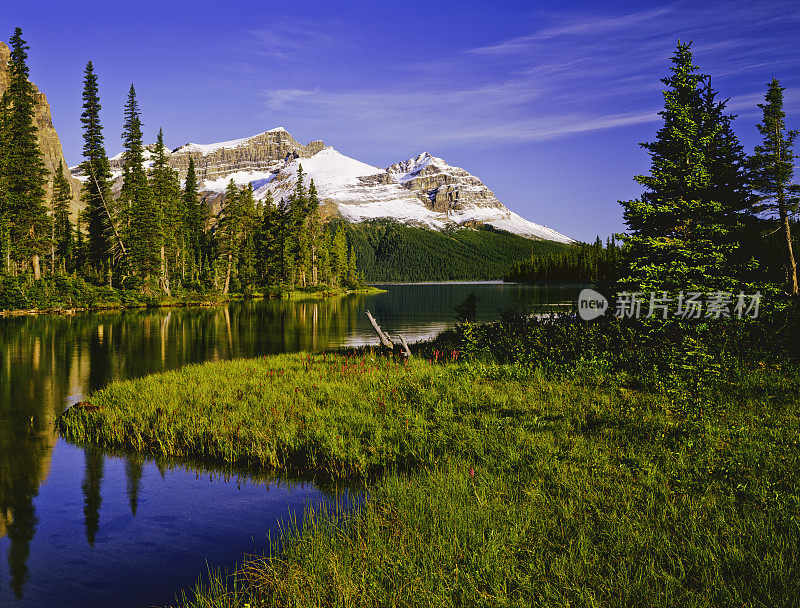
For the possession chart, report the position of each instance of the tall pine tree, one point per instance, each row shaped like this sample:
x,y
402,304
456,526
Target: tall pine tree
x,y
247,250
167,199
298,234
314,225
270,244
96,192
25,173
5,217
138,207
772,166
678,232
230,228
134,179
62,227
196,218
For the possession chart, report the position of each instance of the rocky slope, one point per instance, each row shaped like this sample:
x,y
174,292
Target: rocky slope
x,y
424,190
49,142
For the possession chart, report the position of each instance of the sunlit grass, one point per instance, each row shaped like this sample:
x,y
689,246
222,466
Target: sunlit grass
x,y
489,484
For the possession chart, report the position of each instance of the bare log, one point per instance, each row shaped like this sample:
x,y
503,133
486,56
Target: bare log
x,y
384,338
406,351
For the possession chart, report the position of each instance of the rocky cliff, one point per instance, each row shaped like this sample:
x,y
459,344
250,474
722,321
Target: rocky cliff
x,y
49,143
443,187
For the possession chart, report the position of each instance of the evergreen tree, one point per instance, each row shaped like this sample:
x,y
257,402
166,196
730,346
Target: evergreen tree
x,y
247,250
5,218
134,179
578,263
25,173
137,205
284,243
324,256
298,231
678,238
229,231
268,270
314,223
196,220
62,227
339,255
167,200
96,192
728,184
772,166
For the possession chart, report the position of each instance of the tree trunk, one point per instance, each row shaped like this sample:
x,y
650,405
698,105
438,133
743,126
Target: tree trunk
x,y
787,235
53,248
228,273
37,271
787,231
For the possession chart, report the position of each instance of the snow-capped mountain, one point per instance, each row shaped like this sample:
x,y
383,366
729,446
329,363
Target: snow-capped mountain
x,y
423,190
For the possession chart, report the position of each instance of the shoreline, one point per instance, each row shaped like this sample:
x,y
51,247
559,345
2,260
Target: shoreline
x,y
294,295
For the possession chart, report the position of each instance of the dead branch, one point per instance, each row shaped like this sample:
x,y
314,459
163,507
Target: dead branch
x,y
387,343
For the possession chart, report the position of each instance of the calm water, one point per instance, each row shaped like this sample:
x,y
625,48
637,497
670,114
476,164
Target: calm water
x,y
82,528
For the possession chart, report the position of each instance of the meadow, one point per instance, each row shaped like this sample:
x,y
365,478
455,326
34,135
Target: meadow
x,y
500,470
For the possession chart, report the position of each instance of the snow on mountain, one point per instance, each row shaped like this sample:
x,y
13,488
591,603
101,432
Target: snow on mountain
x,y
424,190
407,170
234,143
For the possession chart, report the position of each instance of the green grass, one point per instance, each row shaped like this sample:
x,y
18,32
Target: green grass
x,y
489,484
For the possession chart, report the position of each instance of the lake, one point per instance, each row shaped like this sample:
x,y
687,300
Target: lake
x,y
81,528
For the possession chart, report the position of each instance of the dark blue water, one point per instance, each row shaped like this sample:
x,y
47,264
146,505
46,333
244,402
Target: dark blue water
x,y
81,528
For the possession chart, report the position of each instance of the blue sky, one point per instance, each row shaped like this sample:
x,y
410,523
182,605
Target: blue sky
x,y
544,101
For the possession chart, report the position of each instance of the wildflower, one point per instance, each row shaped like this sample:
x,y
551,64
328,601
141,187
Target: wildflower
x,y
472,472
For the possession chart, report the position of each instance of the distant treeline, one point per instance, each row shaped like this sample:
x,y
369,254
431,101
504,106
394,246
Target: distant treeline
x,y
579,263
389,251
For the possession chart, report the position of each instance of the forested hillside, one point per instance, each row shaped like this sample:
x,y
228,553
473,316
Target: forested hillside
x,y
389,251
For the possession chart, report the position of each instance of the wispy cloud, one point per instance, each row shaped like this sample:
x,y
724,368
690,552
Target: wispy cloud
x,y
588,27
277,99
581,74
288,39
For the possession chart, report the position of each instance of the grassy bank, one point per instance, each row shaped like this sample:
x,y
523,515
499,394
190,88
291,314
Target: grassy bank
x,y
492,483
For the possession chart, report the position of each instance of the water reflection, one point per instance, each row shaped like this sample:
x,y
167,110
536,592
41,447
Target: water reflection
x,y
134,469
97,511
92,478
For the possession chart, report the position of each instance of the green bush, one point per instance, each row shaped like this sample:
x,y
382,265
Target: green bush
x,y
12,297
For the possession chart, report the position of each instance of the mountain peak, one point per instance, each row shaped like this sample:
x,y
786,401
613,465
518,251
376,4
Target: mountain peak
x,y
423,190
204,149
